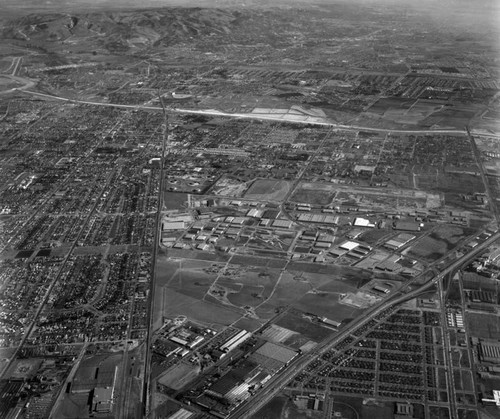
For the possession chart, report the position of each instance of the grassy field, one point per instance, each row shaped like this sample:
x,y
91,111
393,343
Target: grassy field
x,y
441,241
327,305
258,261
248,324
192,280
391,103
170,303
483,326
174,200
182,289
295,289
463,380
248,295
273,409
297,323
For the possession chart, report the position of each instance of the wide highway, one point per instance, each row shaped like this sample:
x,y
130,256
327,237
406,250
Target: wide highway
x,y
258,116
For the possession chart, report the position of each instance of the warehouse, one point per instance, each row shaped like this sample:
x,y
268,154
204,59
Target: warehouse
x,y
235,341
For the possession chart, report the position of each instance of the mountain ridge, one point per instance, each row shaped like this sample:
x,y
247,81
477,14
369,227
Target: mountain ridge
x,y
125,29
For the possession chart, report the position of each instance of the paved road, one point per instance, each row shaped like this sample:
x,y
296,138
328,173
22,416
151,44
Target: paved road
x,y
269,117
26,83
146,395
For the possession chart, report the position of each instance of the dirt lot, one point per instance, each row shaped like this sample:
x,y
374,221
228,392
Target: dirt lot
x,y
314,194
268,190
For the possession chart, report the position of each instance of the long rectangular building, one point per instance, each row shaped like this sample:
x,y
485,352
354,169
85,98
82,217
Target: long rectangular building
x,y
236,340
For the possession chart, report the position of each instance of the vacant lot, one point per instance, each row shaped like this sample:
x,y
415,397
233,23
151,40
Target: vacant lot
x,y
179,375
483,326
305,327
327,305
314,194
170,303
391,103
268,190
439,242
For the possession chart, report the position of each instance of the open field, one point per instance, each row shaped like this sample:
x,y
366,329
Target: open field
x,y
441,241
381,106
6,83
423,112
229,187
463,380
202,311
174,200
74,406
248,295
450,117
326,305
268,190
416,114
251,325
273,409
314,193
315,292
205,290
192,279
170,303
247,286
179,375
256,261
193,255
23,369
483,326
383,198
353,276
305,327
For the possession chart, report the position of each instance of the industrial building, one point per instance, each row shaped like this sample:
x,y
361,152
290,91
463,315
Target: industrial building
x,y
235,341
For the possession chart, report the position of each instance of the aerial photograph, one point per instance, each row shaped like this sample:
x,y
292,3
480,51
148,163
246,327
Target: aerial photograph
x,y
250,209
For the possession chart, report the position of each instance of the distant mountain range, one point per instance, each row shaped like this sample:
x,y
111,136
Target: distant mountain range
x,y
122,30
110,25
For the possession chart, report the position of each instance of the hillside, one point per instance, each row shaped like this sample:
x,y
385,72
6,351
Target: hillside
x,y
121,31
